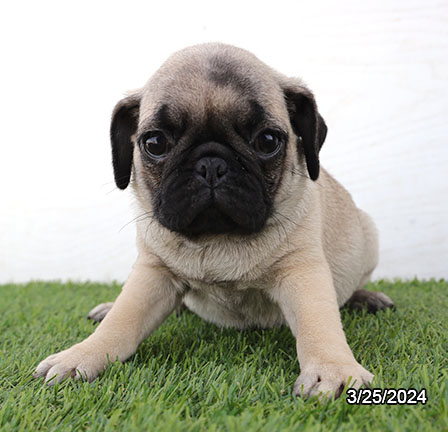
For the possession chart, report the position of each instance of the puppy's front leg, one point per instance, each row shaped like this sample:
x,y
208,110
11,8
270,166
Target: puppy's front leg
x,y
307,298
147,298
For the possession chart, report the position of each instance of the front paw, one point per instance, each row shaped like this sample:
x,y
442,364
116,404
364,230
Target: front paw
x,y
328,380
76,362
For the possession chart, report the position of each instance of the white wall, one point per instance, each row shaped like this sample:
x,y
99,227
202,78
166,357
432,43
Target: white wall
x,y
379,70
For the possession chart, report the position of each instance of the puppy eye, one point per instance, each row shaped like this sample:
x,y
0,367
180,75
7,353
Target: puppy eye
x,y
267,143
154,144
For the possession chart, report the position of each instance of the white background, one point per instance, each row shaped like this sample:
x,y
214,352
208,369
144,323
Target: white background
x,y
379,70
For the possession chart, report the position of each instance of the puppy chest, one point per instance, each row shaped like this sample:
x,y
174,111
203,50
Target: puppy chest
x,y
230,305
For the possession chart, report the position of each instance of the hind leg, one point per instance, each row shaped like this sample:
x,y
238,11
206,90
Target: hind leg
x,y
373,301
98,313
361,298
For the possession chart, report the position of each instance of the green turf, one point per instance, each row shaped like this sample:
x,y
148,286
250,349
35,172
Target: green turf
x,y
193,376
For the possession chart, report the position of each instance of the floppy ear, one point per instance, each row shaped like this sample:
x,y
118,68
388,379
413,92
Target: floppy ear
x,y
307,123
123,126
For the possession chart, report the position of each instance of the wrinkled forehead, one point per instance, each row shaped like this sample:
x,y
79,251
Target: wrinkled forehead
x,y
189,94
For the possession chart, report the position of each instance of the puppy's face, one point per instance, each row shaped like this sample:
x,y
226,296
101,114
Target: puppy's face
x,y
209,136
214,169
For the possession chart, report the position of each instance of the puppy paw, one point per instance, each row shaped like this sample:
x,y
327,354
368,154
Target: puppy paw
x,y
329,380
99,312
76,362
373,301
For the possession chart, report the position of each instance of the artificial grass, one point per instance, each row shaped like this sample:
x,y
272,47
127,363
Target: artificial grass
x,y
192,376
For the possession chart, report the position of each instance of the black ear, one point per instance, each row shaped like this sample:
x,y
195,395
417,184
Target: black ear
x,y
308,124
123,126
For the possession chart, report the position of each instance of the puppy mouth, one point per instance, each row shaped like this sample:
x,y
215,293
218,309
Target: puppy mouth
x,y
224,209
220,217
211,214
212,221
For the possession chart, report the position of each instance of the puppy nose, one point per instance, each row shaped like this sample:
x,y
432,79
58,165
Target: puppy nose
x,y
211,170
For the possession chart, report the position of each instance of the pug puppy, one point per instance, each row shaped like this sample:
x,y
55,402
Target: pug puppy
x,y
235,219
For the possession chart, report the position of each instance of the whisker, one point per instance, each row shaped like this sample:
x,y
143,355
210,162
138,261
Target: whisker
x,y
301,174
283,228
151,220
295,223
112,190
149,215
